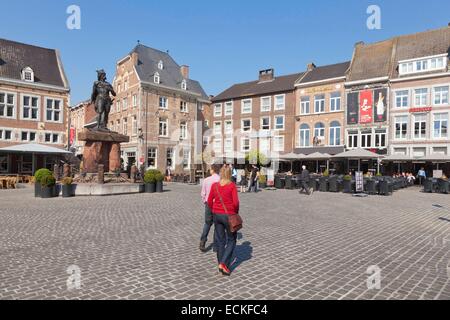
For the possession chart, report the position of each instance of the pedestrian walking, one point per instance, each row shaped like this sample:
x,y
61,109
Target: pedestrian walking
x,y
304,179
253,179
224,202
234,174
206,189
422,175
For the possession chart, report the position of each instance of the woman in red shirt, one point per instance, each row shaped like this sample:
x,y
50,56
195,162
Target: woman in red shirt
x,y
223,201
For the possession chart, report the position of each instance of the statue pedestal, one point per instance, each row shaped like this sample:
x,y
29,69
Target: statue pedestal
x,y
101,147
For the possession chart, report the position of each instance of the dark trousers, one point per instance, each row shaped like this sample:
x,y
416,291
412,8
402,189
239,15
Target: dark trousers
x,y
304,186
208,223
253,186
225,239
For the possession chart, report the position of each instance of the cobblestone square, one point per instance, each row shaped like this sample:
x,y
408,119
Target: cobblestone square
x,y
145,246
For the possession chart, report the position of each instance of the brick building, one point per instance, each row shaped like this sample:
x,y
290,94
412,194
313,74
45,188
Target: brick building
x,y
160,108
34,99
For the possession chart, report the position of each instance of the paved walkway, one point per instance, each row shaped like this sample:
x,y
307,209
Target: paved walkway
x,y
292,247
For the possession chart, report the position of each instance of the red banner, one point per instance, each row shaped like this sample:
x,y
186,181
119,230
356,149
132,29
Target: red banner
x,y
72,135
365,107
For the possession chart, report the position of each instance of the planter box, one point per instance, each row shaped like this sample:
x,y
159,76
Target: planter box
x,y
347,186
159,187
263,185
323,185
68,191
37,189
150,187
48,192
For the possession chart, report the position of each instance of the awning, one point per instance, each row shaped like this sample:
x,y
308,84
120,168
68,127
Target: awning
x,y
435,158
398,157
357,154
34,148
317,156
292,156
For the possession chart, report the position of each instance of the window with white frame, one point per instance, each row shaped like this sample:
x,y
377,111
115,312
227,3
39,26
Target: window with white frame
x,y
156,78
264,145
125,85
335,101
218,110
217,128
401,127
319,103
217,145
352,139
440,95
279,122
280,102
163,103
118,106
319,130
186,158
420,97
246,125
30,107
170,158
26,163
335,134
125,126
366,139
228,145
228,127
304,105
183,106
402,98
440,128
265,123
7,105
134,128
245,144
304,135
184,85
278,143
266,104
152,157
163,127
420,126
380,138
51,137
183,131
246,106
29,136
423,65
28,74
229,108
160,65
134,100
125,103
54,109
118,125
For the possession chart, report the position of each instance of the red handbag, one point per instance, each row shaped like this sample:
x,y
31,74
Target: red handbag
x,y
234,220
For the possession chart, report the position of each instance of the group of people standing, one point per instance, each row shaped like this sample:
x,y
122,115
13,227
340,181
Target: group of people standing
x,y
220,198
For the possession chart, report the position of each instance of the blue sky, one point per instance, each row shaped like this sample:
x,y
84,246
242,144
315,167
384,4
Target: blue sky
x,y
224,42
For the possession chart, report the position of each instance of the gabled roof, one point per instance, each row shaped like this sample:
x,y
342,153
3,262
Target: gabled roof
x,y
253,88
170,75
324,73
46,65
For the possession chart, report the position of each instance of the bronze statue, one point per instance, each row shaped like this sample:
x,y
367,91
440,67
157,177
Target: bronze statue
x,y
102,100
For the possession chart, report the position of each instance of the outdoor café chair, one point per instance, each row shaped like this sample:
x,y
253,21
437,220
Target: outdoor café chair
x,y
443,186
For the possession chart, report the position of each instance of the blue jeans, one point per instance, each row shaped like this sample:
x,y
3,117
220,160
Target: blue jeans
x,y
224,239
208,223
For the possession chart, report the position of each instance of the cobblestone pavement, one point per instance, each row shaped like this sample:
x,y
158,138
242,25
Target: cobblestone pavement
x,y
293,246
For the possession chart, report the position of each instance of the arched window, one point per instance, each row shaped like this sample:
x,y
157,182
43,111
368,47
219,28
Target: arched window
x,y
183,85
319,130
160,65
304,135
156,78
28,74
335,134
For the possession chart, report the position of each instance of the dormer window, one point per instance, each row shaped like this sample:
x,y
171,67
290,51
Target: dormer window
x,y
156,78
160,65
423,65
28,74
183,85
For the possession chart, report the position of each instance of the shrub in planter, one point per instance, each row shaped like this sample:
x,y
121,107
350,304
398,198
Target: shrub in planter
x,y
150,181
347,184
67,187
159,177
48,186
37,180
326,173
262,181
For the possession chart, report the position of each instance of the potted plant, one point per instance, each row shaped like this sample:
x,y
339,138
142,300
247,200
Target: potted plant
x,y
262,181
48,183
67,187
150,181
326,173
37,180
347,184
159,178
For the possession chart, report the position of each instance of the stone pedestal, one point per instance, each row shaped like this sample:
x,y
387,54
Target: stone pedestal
x,y
101,148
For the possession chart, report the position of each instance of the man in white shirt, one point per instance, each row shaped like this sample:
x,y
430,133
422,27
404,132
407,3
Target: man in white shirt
x,y
206,189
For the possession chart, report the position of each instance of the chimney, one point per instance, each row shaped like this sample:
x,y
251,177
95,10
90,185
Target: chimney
x,y
266,75
359,43
310,66
185,71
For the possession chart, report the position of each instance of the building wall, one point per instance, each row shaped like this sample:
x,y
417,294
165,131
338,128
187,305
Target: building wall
x,y
326,117
40,126
410,145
